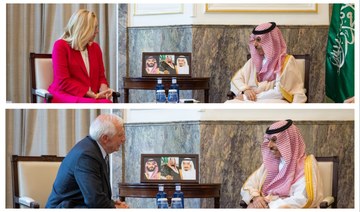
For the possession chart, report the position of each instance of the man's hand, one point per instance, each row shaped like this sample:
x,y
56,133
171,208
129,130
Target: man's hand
x,y
169,177
250,94
258,202
240,97
119,204
350,100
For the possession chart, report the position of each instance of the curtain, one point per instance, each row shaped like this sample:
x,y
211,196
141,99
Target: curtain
x,y
34,132
35,28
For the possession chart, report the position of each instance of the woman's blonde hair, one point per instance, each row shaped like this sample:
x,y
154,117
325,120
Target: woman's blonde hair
x,y
80,29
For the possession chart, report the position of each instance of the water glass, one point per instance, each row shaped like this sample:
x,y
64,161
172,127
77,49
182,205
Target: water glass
x,y
173,96
176,203
160,96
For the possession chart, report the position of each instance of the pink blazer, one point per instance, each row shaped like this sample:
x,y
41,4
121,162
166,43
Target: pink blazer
x,y
71,79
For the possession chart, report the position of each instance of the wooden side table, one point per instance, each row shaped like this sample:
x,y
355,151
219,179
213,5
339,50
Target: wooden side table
x,y
149,190
149,83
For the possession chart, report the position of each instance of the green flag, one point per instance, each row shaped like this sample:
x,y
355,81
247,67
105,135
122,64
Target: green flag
x,y
340,53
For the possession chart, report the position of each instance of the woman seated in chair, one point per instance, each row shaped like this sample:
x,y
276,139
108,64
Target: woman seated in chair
x,y
79,74
270,75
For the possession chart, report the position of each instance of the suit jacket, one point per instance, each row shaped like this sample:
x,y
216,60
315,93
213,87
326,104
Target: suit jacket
x,y
71,79
82,179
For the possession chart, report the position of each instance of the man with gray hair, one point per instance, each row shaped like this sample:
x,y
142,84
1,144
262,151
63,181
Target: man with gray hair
x,y
83,178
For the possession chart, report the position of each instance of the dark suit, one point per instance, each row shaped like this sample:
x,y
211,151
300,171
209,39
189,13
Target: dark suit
x,y
82,179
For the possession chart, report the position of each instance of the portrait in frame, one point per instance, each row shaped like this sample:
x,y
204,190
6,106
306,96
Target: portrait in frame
x,y
172,64
171,168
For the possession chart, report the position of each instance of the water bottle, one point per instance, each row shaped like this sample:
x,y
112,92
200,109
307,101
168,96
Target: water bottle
x,y
160,195
179,194
176,203
162,203
173,96
175,86
160,96
159,86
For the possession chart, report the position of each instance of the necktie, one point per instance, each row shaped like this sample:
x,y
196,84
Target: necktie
x,y
107,163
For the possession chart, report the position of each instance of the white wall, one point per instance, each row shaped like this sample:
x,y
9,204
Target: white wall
x,y
195,14
170,115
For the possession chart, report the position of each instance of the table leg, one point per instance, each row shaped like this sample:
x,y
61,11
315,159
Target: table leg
x,y
217,202
126,95
206,95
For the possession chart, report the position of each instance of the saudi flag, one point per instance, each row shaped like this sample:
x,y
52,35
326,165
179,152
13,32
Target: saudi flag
x,y
340,53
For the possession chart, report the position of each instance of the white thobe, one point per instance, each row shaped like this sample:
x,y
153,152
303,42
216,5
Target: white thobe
x,y
287,87
298,196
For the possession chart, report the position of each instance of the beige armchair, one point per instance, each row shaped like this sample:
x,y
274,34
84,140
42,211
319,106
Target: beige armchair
x,y
41,77
41,72
328,167
33,178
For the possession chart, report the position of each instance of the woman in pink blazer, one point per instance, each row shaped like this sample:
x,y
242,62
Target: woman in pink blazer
x,y
79,74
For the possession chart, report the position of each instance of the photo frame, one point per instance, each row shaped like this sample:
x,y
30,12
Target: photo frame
x,y
169,168
171,64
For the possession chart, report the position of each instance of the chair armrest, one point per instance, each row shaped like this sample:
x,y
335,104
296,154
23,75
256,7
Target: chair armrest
x,y
327,202
41,92
116,96
27,201
243,204
230,95
44,94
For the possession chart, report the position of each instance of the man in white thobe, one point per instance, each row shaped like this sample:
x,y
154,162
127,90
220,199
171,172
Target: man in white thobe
x,y
288,178
270,75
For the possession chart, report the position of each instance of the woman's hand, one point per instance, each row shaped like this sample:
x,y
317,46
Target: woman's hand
x,y
90,94
106,94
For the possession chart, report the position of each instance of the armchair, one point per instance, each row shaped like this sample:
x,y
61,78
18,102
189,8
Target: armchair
x,y
32,179
41,72
328,167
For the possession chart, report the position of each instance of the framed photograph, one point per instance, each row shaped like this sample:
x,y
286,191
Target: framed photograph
x,y
278,8
172,64
174,168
